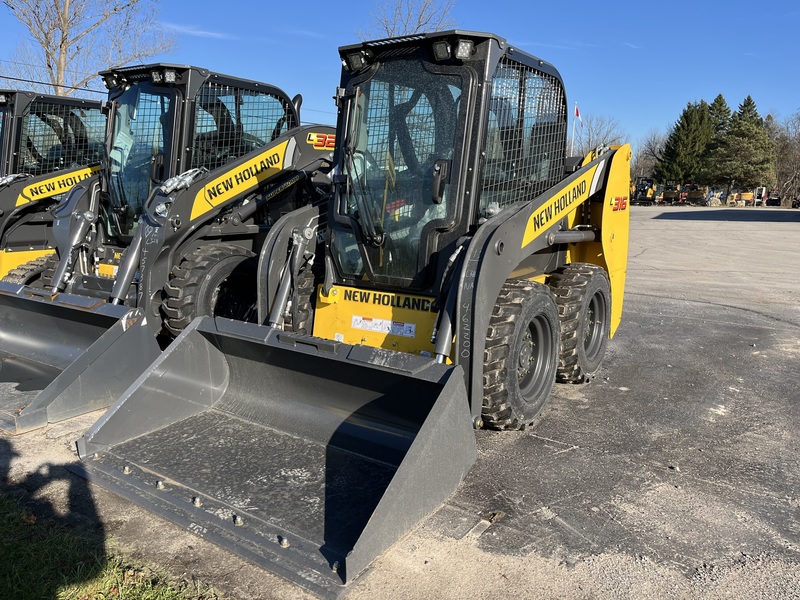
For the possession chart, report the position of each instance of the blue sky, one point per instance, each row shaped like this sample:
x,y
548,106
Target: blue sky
x,y
639,62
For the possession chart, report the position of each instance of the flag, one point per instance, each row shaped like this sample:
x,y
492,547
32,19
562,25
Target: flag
x,y
578,114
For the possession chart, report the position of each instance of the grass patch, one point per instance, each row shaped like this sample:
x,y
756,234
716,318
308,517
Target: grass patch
x,y
42,558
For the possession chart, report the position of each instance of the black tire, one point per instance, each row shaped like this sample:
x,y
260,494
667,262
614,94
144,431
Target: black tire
x,y
33,272
215,280
583,295
521,356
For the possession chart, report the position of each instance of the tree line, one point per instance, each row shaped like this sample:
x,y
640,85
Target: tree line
x,y
712,145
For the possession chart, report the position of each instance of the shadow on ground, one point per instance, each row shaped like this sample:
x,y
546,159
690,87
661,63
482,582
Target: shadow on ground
x,y
742,215
45,547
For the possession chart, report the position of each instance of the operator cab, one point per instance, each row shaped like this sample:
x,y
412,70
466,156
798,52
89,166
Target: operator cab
x,y
409,181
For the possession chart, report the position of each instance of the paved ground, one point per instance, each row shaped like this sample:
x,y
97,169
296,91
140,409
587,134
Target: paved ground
x,y
673,474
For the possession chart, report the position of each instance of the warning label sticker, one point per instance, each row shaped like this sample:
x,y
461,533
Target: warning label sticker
x,y
384,326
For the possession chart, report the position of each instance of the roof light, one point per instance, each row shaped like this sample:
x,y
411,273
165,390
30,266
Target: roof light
x,y
355,61
110,80
465,49
441,50
156,76
170,76
3,99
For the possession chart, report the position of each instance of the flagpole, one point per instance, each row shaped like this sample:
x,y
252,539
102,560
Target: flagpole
x,y
572,145
575,115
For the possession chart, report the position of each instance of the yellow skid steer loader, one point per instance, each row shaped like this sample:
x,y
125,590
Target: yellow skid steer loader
x,y
463,265
197,168
47,145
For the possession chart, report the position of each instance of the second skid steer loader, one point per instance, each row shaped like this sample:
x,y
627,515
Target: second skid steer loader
x,y
464,264
47,145
198,166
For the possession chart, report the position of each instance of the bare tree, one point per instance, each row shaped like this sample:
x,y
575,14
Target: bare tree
x,y
392,18
597,130
69,41
647,153
787,158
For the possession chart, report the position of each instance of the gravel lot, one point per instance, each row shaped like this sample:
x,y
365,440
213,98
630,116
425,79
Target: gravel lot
x,y
674,474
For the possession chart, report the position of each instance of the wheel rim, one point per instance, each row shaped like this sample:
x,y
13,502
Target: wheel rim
x,y
594,332
235,298
535,358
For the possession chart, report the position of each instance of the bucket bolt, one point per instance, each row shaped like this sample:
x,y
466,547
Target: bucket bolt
x,y
238,521
160,485
196,501
126,470
284,543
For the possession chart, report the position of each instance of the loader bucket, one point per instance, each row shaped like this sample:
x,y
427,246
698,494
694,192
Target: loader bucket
x,y
308,457
65,355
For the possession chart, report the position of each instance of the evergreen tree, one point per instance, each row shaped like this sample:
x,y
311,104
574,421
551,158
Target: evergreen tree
x,y
748,111
745,157
720,114
686,145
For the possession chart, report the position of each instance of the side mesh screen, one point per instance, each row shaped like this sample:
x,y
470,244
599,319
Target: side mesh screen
x,y
231,122
526,135
56,136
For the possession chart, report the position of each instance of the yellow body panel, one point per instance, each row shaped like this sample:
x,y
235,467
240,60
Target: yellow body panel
x,y
54,185
247,176
612,218
376,318
12,260
615,230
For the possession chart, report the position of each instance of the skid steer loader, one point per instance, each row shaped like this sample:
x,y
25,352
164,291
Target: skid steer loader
x,y
197,168
47,145
464,264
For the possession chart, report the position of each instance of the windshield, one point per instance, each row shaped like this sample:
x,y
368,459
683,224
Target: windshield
x,y
400,141
139,151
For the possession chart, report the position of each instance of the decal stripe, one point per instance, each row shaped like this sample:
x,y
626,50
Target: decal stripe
x,y
57,183
560,204
596,179
239,180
